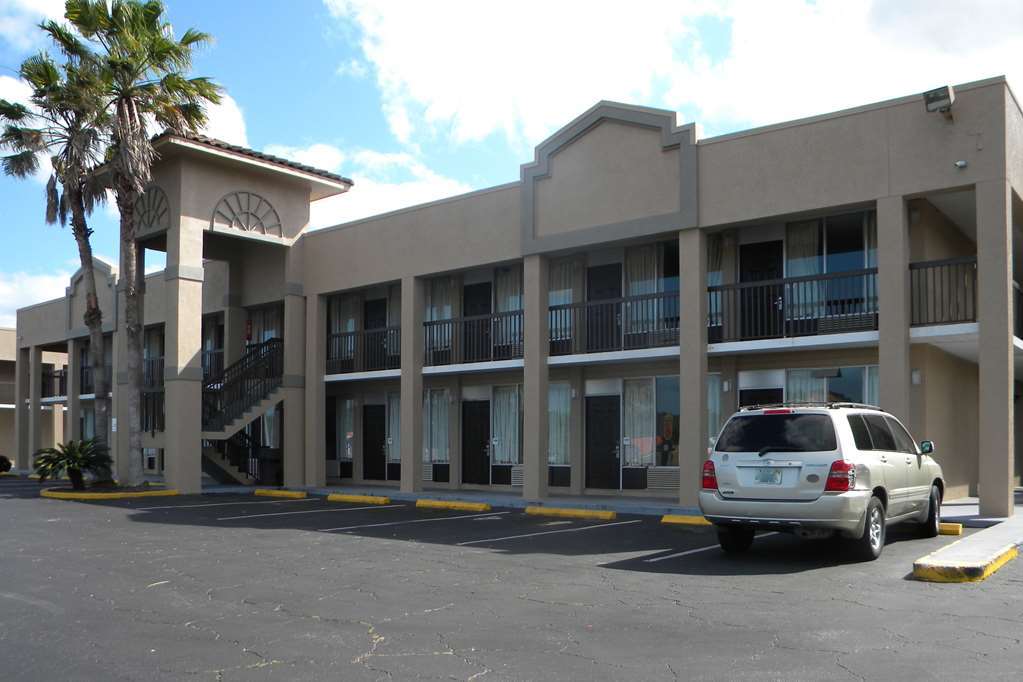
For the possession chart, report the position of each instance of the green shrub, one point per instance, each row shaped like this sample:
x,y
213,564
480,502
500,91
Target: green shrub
x,y
5,464
76,457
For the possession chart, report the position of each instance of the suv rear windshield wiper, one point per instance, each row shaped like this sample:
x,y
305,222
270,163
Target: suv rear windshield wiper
x,y
777,448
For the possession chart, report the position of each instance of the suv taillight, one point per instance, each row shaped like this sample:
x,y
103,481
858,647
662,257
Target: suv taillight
x,y
710,477
841,478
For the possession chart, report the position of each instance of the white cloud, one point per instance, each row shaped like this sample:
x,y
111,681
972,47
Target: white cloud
x,y
468,70
352,68
383,181
226,122
19,20
20,289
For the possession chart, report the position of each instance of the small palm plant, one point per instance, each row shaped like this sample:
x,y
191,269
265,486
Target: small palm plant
x,y
76,457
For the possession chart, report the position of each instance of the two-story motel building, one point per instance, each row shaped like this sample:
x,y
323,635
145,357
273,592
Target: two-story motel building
x,y
584,330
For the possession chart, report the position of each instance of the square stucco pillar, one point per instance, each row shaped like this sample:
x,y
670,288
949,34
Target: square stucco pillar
x,y
293,445
535,378
22,383
692,255
315,391
73,427
413,301
894,305
35,409
995,318
183,359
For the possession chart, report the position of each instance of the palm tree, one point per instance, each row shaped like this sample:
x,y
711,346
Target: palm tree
x,y
144,69
76,457
65,121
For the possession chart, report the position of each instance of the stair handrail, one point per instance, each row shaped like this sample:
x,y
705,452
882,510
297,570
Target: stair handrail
x,y
243,384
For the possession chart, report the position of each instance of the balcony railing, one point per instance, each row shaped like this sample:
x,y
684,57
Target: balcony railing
x,y
626,323
481,338
793,306
364,351
944,291
88,385
54,383
152,395
212,363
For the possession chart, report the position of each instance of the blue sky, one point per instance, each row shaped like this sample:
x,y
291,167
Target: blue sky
x,y
416,101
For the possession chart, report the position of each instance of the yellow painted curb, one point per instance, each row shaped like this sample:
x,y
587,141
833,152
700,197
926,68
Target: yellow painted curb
x,y
358,499
938,573
454,505
950,528
8,474
683,520
569,513
270,492
86,496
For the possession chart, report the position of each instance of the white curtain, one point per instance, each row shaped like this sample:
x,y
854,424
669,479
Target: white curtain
x,y
715,277
872,392
638,423
506,420
267,323
801,386
343,314
713,407
563,275
435,426
559,408
345,419
88,423
393,427
642,277
439,298
270,435
508,298
803,258
870,227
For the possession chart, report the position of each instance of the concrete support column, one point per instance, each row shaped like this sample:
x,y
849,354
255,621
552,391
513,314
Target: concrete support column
x,y
183,358
692,250
894,305
73,429
995,318
535,376
576,436
119,420
413,301
315,391
294,443
35,409
22,384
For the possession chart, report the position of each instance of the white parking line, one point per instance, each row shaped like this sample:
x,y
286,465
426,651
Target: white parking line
x,y
549,532
308,511
401,523
221,504
694,551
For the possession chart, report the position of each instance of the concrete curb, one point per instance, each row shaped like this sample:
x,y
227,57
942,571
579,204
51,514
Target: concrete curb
x,y
685,520
273,492
950,528
54,494
570,513
358,499
935,570
453,505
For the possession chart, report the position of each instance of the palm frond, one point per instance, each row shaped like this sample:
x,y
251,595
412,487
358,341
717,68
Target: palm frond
x,y
21,165
52,199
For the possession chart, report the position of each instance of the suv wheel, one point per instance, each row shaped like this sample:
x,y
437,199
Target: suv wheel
x,y
871,543
930,529
735,539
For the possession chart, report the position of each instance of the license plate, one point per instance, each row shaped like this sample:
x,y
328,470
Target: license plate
x,y
769,476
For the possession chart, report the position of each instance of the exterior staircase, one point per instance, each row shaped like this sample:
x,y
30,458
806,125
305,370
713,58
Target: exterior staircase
x,y
233,399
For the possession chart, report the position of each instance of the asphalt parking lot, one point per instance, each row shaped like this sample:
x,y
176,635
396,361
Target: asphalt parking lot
x,y
240,587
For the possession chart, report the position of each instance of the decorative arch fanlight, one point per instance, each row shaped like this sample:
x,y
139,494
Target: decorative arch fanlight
x,y
152,211
249,212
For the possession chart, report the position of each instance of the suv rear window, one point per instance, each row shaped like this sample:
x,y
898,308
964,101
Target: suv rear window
x,y
778,432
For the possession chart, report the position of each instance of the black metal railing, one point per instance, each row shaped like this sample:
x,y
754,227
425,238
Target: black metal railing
x,y
54,383
480,338
943,291
212,363
364,351
793,306
243,384
152,415
627,323
88,385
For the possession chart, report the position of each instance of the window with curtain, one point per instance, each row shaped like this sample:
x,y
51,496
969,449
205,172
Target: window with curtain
x,y
507,299
870,229
638,438
715,277
562,275
342,314
642,277
267,323
88,423
713,407
345,416
872,392
804,248
668,416
435,426
439,306
393,427
506,427
394,318
839,384
270,428
559,408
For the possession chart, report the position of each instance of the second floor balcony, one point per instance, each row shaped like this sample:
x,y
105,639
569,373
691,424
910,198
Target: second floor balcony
x,y
54,383
366,350
479,338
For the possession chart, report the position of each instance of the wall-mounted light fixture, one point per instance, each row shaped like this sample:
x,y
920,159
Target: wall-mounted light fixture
x,y
915,377
940,100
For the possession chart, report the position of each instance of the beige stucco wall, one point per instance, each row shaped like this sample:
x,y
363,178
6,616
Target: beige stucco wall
x,y
613,173
932,236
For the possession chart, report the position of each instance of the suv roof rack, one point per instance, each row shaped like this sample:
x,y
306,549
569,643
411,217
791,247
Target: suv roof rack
x,y
831,405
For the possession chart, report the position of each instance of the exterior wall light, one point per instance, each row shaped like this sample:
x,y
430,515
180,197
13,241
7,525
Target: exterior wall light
x,y
961,164
940,100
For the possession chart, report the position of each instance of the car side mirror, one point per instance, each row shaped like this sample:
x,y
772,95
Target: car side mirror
x,y
927,447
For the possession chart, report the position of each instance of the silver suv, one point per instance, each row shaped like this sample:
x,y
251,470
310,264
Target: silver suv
x,y
816,470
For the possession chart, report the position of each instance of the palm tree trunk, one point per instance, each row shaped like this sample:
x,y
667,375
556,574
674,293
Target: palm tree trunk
x,y
93,314
132,279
